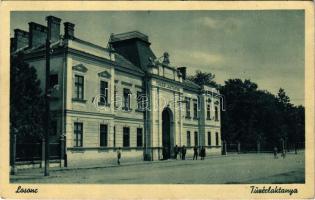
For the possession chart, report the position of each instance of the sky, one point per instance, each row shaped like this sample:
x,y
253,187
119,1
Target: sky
x,y
265,46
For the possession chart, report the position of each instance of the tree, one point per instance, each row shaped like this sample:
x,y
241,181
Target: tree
x,y
26,101
203,78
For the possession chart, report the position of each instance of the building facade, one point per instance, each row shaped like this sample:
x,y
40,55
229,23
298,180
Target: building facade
x,y
119,96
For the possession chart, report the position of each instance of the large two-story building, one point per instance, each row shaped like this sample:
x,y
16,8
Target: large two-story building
x,y
119,96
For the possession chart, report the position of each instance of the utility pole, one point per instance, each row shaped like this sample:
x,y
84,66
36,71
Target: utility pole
x,y
47,94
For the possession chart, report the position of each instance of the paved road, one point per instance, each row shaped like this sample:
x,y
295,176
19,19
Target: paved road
x,y
245,168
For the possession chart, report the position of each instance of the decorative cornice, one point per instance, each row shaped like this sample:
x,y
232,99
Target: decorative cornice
x,y
80,68
126,83
104,74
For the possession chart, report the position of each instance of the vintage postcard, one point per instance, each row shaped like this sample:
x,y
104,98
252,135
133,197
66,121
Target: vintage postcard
x,y
157,100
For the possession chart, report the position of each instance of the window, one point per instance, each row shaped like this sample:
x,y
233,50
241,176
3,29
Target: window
x,y
187,107
126,137
78,134
53,127
126,99
216,114
103,93
195,109
217,139
114,137
78,87
196,138
140,100
208,112
139,137
188,139
209,138
53,80
115,96
103,135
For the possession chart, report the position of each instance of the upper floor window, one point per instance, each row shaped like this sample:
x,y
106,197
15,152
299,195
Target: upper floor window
x,y
208,111
115,96
195,109
78,134
216,114
126,95
140,101
103,135
78,87
103,93
187,107
126,137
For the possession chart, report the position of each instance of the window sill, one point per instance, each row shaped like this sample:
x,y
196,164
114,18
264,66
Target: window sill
x,y
139,110
78,100
126,109
103,104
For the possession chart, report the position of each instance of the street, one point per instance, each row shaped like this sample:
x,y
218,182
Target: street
x,y
231,169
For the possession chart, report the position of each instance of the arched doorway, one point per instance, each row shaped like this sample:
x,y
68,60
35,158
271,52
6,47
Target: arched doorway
x,y
167,133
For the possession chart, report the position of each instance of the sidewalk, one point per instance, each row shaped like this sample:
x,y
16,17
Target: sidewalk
x,y
34,172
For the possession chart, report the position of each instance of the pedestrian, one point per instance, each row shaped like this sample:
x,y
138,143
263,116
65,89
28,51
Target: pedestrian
x,y
118,156
180,152
275,152
195,153
175,151
183,152
202,153
283,153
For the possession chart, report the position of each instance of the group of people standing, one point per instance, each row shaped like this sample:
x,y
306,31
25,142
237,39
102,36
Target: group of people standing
x,y
181,151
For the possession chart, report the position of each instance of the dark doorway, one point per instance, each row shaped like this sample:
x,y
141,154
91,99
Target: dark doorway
x,y
166,133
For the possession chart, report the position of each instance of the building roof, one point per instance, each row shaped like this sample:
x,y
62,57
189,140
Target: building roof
x,y
123,62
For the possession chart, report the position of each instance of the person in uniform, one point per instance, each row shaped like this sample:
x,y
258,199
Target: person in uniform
x,y
118,156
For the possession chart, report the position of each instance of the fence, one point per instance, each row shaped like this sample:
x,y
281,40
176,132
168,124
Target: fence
x,y
261,147
34,151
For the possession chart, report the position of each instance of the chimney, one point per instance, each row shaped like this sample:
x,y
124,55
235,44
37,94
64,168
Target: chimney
x,y
53,24
182,71
69,30
20,39
37,34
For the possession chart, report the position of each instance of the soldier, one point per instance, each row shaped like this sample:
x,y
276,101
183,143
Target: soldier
x,y
195,153
175,151
118,156
275,151
183,152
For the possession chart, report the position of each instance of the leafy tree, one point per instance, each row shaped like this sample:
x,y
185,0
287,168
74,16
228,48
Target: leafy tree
x,y
203,78
26,101
256,115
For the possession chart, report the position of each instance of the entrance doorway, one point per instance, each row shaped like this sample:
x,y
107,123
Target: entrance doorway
x,y
167,133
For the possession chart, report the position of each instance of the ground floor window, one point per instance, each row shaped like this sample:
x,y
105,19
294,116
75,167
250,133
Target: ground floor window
x,y
188,139
78,134
126,137
217,139
139,137
209,138
196,138
114,137
103,135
